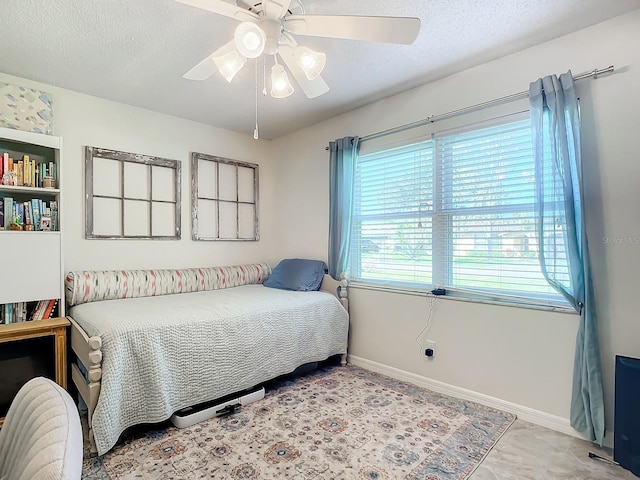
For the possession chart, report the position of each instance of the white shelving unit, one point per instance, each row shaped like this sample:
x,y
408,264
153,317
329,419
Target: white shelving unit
x,y
31,262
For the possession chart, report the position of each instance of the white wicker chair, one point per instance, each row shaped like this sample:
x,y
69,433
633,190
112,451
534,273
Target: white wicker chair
x,y
41,438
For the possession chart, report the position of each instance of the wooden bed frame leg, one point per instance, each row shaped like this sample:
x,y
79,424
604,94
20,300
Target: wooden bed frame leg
x,y
343,359
93,449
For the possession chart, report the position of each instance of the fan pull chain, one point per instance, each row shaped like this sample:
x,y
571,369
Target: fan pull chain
x,y
264,76
255,130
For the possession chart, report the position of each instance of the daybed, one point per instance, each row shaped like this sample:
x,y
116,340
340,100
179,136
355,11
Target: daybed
x,y
152,342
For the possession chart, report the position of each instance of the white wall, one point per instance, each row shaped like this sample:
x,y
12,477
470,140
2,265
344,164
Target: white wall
x,y
82,120
518,355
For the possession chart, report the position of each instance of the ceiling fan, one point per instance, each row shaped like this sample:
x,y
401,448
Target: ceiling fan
x,y
268,27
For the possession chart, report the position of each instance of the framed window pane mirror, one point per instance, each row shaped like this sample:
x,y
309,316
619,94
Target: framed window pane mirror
x,y
131,196
224,199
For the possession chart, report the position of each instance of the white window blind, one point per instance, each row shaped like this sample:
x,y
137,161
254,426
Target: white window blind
x,y
392,231
455,212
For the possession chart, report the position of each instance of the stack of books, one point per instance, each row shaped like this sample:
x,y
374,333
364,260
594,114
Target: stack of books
x,y
27,311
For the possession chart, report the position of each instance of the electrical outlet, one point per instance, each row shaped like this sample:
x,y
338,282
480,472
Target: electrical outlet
x,y
429,349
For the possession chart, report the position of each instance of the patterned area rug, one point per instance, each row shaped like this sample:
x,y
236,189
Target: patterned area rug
x,y
335,423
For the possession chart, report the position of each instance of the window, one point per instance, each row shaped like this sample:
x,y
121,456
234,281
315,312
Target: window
x,y
454,211
131,196
224,198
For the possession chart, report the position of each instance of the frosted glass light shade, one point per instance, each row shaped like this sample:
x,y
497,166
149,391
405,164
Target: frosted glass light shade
x,y
280,85
250,39
311,62
229,64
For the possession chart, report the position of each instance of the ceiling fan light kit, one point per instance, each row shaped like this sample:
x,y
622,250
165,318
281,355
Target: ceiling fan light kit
x,y
267,27
250,39
312,63
280,85
229,64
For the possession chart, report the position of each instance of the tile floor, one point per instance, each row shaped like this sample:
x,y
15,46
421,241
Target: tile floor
x,y
530,452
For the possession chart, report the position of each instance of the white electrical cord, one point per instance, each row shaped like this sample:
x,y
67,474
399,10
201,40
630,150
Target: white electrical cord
x,y
431,299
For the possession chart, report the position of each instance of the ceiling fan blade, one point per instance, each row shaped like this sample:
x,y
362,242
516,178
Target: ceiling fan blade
x,y
311,88
208,67
222,8
401,30
276,8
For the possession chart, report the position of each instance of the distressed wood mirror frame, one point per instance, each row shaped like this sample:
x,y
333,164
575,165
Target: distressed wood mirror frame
x,y
131,196
224,199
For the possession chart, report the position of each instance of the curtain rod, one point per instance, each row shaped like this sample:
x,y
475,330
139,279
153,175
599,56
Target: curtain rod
x,y
514,96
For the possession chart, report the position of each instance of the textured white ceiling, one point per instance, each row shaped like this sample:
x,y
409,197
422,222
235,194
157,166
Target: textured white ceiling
x,y
136,51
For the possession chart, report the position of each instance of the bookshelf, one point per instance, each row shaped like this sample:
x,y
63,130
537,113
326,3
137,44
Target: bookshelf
x,y
31,254
31,264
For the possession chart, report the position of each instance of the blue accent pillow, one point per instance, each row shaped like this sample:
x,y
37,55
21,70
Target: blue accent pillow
x,y
297,274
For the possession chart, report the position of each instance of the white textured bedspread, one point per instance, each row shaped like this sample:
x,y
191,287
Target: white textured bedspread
x,y
164,353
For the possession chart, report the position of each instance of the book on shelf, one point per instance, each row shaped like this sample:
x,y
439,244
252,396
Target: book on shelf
x,y
27,171
38,311
54,216
19,166
6,313
27,213
18,213
35,204
8,212
45,172
51,306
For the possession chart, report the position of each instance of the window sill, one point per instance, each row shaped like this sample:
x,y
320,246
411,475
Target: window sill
x,y
460,297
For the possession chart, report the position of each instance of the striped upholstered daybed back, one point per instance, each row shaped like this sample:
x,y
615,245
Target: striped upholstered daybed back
x,y
96,285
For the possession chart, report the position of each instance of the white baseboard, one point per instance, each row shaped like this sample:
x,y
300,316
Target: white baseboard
x,y
554,422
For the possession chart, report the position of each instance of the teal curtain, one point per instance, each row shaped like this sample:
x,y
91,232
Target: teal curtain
x,y
342,163
562,239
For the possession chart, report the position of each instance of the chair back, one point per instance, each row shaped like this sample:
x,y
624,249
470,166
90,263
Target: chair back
x,y
41,438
